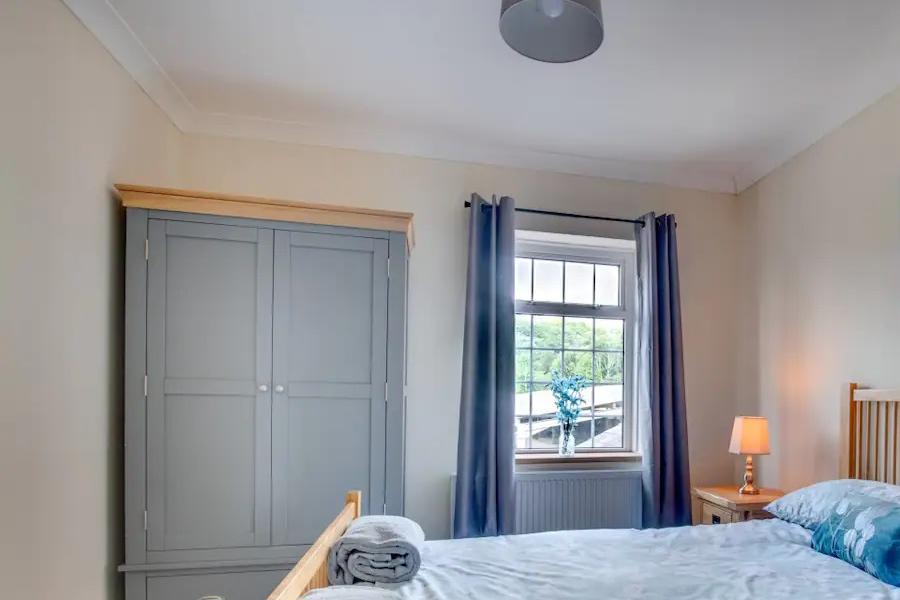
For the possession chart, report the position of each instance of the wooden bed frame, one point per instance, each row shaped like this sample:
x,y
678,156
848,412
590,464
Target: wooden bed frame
x,y
873,434
871,452
311,571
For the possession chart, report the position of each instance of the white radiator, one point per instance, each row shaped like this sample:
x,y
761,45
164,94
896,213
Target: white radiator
x,y
557,500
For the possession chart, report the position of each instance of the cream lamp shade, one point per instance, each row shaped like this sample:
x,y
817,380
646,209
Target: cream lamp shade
x,y
750,435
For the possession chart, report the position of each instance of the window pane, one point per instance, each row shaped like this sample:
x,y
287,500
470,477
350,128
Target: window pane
x,y
523,428
523,365
543,363
548,276
542,403
576,345
583,429
607,277
544,426
547,331
579,334
523,331
608,416
523,415
609,334
544,434
578,362
545,431
579,283
608,367
608,432
523,279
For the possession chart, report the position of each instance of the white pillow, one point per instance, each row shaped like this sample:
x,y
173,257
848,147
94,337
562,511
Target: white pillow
x,y
813,504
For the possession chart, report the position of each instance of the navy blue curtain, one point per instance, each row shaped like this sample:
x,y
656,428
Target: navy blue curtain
x,y
659,370
485,501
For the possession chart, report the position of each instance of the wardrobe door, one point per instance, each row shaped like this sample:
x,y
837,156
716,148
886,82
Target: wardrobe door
x,y
209,327
328,422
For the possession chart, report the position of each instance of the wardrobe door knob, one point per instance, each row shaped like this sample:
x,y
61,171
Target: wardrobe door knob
x,y
279,389
263,387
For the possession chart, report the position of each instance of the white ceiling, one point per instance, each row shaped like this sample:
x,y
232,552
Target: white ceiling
x,y
710,94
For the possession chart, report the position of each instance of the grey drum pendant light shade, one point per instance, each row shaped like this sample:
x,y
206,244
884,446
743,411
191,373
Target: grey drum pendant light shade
x,y
554,31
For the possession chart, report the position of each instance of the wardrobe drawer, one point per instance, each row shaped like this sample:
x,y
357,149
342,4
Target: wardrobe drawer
x,y
248,585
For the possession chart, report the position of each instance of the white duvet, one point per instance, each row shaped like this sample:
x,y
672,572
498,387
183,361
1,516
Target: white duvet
x,y
769,560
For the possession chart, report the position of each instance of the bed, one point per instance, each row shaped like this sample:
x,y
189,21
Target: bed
x,y
769,559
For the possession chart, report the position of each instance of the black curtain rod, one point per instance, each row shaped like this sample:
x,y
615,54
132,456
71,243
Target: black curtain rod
x,y
553,213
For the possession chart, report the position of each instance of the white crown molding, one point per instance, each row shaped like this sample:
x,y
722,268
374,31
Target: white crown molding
x,y
107,25
453,148
102,19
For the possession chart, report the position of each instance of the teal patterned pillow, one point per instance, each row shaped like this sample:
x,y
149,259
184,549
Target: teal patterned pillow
x,y
864,532
812,505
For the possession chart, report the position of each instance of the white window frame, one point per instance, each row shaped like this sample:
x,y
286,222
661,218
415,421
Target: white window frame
x,y
572,248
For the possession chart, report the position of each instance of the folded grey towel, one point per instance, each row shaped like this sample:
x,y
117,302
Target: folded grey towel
x,y
377,549
351,592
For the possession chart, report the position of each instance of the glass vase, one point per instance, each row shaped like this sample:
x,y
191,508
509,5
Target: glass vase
x,y
566,439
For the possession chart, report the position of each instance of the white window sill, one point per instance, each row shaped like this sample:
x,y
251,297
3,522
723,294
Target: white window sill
x,y
548,458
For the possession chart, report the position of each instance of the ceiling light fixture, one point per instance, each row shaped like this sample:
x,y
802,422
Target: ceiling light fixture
x,y
553,31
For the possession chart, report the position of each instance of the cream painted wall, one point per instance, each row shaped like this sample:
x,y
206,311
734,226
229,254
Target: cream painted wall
x,y
435,191
822,290
803,270
71,123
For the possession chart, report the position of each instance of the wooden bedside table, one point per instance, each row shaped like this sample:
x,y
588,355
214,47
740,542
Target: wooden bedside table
x,y
723,504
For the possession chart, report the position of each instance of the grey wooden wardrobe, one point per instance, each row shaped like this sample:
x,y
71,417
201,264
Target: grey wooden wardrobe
x,y
264,377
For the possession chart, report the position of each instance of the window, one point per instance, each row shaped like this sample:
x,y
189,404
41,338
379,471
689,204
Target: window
x,y
574,312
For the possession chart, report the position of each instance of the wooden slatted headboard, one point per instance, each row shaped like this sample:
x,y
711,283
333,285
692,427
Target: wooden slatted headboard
x,y
874,434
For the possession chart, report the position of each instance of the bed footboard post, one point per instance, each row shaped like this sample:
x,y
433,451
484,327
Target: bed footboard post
x,y
354,497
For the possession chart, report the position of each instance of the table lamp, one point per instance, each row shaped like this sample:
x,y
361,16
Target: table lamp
x,y
749,436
